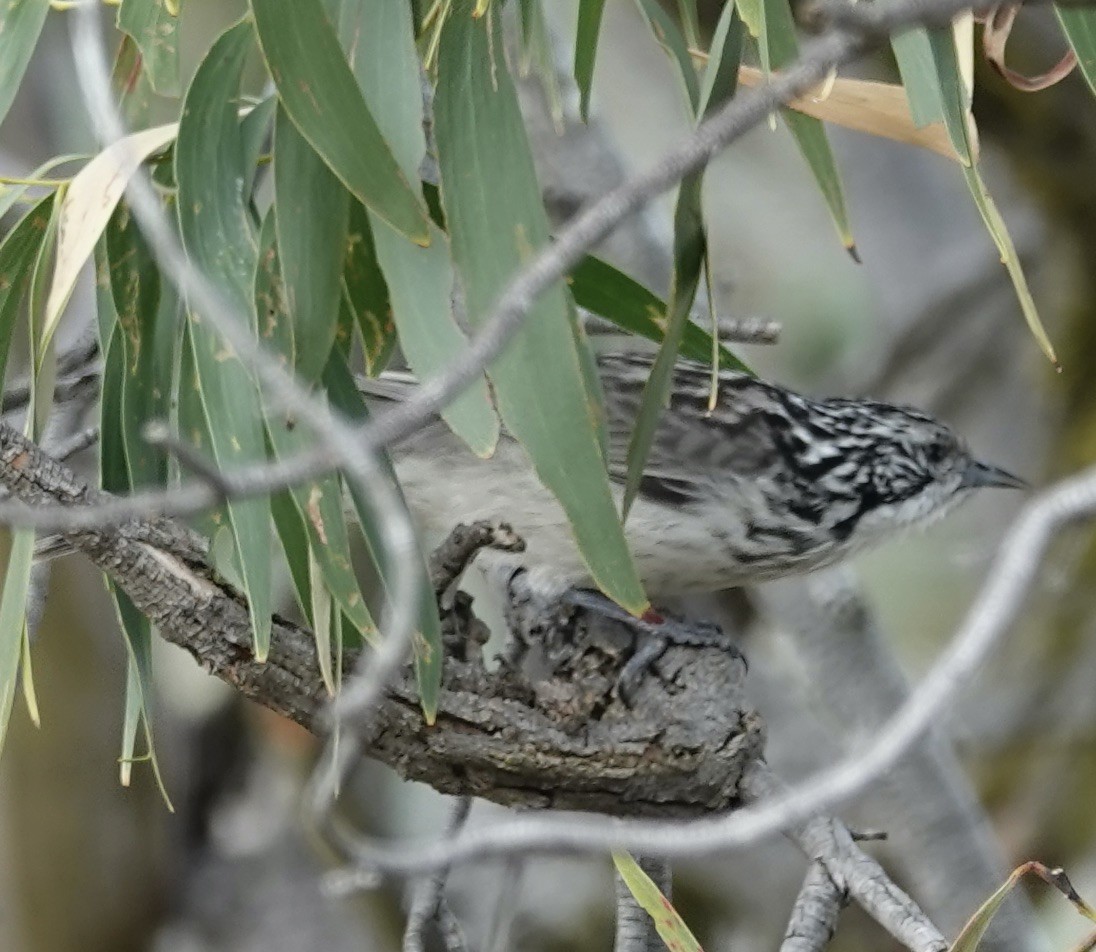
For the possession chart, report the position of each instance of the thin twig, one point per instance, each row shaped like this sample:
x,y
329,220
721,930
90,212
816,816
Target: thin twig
x,y
635,929
428,895
814,916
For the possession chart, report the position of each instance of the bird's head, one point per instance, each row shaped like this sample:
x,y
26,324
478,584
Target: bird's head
x,y
907,467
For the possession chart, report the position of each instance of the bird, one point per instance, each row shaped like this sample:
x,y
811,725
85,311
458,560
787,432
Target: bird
x,y
767,483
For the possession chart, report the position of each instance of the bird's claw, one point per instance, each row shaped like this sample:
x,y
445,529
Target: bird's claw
x,y
653,635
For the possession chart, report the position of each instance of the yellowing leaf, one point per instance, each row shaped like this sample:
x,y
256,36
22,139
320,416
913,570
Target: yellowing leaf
x,y
879,109
88,204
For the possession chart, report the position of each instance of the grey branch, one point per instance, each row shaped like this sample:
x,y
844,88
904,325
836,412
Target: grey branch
x,y
428,903
852,871
497,735
635,929
814,916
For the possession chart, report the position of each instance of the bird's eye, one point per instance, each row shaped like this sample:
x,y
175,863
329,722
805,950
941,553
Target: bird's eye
x,y
936,452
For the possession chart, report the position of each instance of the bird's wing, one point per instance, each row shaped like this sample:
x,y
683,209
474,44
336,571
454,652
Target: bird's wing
x,y
693,450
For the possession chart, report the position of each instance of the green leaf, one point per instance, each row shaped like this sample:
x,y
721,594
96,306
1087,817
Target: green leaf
x,y
318,90
130,364
671,927
216,231
929,65
17,255
602,289
312,211
13,619
420,280
346,398
319,501
809,134
20,24
1079,24
538,57
987,208
365,292
690,253
586,38
668,34
253,133
148,344
496,220
155,31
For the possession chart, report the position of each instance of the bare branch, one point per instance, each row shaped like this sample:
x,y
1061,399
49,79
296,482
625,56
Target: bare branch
x,y
635,930
814,916
428,898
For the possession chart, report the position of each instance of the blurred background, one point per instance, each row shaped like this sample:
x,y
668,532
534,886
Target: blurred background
x,y
928,318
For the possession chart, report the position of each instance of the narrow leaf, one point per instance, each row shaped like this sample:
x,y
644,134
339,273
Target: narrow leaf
x,y
493,228
319,501
318,90
88,203
13,613
365,292
779,29
346,398
602,289
1079,24
18,252
216,231
21,22
668,34
420,281
312,212
154,29
995,224
586,40
671,927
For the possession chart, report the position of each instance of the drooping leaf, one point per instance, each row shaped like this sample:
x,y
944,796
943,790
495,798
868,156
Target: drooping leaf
x,y
671,927
346,398
586,40
21,23
690,251
494,228
312,212
216,230
17,255
608,292
13,618
319,93
365,292
154,28
1079,24
88,203
810,136
319,501
668,34
420,281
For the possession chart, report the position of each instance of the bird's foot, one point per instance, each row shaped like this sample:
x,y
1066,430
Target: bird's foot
x,y
654,632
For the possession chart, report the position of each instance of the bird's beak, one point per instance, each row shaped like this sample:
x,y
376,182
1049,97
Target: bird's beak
x,y
980,475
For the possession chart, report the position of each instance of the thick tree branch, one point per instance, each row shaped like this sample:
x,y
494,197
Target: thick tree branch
x,y
565,741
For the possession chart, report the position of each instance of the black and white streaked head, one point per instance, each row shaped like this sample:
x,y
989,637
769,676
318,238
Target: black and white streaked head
x,y
785,483
883,467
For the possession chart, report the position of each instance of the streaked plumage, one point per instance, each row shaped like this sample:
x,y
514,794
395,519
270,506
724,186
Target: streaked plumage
x,y
768,484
